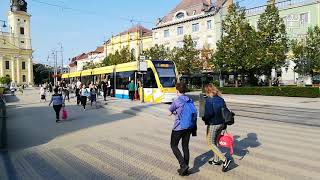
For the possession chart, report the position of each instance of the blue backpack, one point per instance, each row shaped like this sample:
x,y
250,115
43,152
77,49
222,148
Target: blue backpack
x,y
189,115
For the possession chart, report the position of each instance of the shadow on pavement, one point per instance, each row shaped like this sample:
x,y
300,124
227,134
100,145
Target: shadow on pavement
x,y
240,149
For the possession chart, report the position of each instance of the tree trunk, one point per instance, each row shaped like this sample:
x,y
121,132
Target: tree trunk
x,y
236,80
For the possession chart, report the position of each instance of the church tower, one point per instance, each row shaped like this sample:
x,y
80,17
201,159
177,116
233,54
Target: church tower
x,y
19,24
15,47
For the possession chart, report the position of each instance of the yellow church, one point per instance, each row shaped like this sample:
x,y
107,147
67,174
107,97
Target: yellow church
x,y
15,45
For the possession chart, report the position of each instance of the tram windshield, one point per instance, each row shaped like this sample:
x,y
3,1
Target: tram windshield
x,y
166,73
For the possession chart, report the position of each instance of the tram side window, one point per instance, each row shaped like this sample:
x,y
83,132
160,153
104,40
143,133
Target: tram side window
x,y
123,79
150,80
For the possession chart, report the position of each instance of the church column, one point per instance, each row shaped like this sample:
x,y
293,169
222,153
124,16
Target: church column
x,y
13,75
30,72
1,66
18,70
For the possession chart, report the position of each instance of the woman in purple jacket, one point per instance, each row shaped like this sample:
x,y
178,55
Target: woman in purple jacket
x,y
179,133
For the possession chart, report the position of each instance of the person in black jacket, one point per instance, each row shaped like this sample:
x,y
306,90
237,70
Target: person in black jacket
x,y
215,124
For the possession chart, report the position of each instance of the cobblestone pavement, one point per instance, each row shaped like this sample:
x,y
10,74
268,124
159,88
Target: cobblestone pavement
x,y
130,140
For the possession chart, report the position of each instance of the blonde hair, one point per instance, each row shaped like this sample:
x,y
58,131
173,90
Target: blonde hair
x,y
211,90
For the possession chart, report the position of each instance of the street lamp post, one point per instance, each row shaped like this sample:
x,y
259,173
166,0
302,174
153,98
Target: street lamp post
x,y
4,24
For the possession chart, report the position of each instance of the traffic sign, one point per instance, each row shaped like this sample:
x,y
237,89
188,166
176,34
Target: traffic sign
x,y
142,58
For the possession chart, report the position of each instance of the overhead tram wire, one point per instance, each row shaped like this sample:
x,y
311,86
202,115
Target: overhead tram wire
x,y
63,7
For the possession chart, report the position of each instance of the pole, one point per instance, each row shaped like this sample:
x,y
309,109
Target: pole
x,y
221,34
142,84
61,48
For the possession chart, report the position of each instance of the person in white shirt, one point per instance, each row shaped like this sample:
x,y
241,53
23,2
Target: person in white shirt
x,y
78,86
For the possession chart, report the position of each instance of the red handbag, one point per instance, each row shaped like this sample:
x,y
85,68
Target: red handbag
x,y
226,140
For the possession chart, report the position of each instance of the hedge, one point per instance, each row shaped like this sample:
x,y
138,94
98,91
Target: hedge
x,y
310,92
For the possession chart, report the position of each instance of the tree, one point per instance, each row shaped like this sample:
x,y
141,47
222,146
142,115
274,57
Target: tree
x,y
307,52
158,52
273,41
42,73
187,58
236,51
119,57
6,80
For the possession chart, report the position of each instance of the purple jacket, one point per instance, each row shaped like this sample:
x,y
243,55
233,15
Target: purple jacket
x,y
176,108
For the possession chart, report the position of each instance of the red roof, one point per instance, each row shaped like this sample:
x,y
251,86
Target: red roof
x,y
138,28
79,57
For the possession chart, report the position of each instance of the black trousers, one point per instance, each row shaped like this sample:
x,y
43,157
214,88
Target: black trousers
x,y
57,109
131,95
84,101
175,139
78,96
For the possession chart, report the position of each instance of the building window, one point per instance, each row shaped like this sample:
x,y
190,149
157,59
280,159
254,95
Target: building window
x,y
166,33
304,18
22,42
195,27
209,24
180,44
194,12
22,30
18,19
195,43
7,65
156,35
23,65
24,79
180,30
180,15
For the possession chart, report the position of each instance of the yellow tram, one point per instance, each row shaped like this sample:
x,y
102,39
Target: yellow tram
x,y
158,81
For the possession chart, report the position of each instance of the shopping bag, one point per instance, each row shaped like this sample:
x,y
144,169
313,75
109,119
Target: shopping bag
x,y
64,114
226,140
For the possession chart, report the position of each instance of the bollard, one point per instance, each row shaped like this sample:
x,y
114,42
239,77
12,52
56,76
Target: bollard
x,y
202,102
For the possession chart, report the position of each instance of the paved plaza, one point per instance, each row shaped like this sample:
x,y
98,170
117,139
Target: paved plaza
x,y
275,138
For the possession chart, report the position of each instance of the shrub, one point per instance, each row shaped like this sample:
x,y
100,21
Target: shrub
x,y
310,92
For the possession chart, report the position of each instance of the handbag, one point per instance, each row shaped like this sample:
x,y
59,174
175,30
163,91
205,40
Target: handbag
x,y
226,140
64,114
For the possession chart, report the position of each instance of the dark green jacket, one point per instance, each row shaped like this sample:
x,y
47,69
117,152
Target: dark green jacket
x,y
131,87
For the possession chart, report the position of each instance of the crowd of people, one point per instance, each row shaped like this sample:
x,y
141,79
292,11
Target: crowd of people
x,y
182,107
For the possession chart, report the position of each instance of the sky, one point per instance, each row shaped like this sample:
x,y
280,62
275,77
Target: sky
x,y
82,25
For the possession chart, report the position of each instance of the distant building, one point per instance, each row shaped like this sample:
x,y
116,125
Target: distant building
x,y
190,17
97,56
15,45
137,39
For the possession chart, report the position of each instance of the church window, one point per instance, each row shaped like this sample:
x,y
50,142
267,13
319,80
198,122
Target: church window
x,y
24,79
18,19
7,65
22,30
22,42
23,65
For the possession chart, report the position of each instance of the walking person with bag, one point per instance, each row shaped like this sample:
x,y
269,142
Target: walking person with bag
x,y
185,124
58,102
213,118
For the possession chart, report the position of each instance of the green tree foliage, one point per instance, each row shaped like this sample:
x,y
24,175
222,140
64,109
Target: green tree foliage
x,y
237,50
5,80
187,58
307,52
42,73
119,57
158,52
273,41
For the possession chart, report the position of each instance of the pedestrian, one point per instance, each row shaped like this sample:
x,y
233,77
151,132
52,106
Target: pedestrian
x,y
215,125
50,88
185,124
42,94
109,87
131,88
84,93
58,102
78,86
66,91
105,90
93,95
